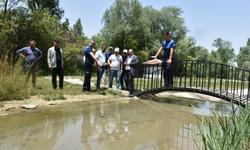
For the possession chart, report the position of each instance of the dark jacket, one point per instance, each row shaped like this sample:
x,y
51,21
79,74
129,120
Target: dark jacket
x,y
133,64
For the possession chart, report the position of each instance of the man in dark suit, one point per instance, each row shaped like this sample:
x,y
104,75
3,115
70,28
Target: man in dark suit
x,y
131,70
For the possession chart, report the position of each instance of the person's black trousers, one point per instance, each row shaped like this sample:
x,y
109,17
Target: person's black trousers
x,y
88,67
57,71
126,78
167,72
131,83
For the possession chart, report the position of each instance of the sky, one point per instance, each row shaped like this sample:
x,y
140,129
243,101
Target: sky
x,y
206,20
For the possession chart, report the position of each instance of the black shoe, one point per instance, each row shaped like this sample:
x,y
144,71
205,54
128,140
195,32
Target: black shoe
x,y
122,88
99,91
87,92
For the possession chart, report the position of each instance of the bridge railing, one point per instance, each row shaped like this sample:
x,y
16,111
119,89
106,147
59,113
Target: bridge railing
x,y
221,80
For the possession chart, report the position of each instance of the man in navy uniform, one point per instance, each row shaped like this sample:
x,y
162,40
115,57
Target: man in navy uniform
x,y
168,58
88,65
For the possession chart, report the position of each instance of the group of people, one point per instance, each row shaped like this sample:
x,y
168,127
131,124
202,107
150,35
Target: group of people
x,y
123,68
112,65
32,54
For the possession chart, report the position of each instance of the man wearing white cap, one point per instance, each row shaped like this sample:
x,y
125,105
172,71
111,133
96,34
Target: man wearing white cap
x,y
115,63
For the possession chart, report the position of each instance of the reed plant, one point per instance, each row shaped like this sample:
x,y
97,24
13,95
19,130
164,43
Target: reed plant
x,y
224,131
13,80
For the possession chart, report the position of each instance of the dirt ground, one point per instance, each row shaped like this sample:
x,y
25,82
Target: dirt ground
x,y
14,106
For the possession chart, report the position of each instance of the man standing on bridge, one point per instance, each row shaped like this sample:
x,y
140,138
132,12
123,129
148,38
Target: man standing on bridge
x,y
168,58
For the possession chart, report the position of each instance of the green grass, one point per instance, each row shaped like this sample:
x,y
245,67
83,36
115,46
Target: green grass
x,y
54,97
222,131
157,82
13,81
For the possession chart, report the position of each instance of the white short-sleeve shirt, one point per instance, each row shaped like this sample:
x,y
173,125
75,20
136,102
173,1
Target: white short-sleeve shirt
x,y
115,61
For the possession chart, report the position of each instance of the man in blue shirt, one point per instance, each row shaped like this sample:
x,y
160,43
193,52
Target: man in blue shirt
x,y
107,71
88,66
167,59
31,56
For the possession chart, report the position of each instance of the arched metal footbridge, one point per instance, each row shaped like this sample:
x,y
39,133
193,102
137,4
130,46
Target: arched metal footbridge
x,y
220,80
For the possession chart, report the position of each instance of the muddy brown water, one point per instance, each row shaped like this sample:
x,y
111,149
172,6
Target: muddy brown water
x,y
113,125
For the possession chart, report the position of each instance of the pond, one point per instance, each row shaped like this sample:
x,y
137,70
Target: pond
x,y
113,125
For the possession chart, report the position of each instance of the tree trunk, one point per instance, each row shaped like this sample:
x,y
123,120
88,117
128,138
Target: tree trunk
x,y
5,7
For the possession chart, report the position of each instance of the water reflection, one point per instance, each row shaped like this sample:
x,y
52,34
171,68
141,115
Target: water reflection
x,y
125,125
202,107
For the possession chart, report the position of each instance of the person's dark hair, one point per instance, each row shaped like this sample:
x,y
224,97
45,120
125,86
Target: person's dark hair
x,y
104,45
57,41
32,41
166,33
92,41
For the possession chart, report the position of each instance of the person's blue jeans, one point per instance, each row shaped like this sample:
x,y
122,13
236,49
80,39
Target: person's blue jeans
x,y
99,76
117,74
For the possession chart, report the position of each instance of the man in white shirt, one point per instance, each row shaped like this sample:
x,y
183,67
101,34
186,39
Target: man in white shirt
x,y
115,63
100,56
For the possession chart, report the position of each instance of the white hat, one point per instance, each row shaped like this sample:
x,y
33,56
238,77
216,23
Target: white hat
x,y
125,51
117,49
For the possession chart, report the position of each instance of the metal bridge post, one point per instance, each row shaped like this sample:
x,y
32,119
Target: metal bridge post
x,y
235,80
148,77
152,80
197,73
185,75
181,74
238,82
215,77
221,77
242,86
209,76
191,76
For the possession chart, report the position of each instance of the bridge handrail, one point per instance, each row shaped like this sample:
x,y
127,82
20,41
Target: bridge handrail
x,y
207,62
202,75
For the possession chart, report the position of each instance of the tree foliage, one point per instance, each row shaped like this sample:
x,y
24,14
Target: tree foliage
x,y
78,28
129,25
225,52
243,58
19,25
124,22
51,5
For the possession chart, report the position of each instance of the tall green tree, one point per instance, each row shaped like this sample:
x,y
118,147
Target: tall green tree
x,y
243,58
166,19
124,24
51,5
224,51
78,28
